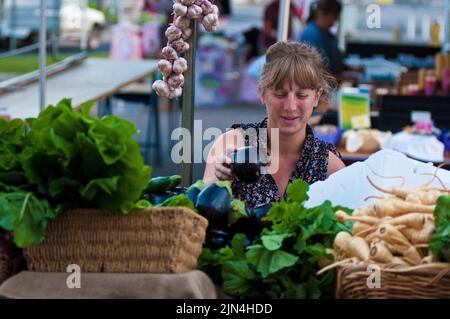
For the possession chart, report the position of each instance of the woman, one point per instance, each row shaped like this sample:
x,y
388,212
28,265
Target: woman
x,y
293,81
323,16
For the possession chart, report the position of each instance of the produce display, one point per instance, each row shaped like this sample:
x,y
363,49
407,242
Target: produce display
x,y
281,261
225,214
407,227
172,66
66,158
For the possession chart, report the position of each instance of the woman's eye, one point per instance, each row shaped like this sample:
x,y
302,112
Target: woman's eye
x,y
280,95
302,96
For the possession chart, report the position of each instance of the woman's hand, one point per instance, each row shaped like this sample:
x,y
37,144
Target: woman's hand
x,y
222,168
218,163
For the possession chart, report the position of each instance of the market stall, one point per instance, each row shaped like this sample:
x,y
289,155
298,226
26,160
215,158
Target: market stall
x,y
76,197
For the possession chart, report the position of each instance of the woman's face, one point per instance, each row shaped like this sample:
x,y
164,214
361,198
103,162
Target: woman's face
x,y
290,107
328,19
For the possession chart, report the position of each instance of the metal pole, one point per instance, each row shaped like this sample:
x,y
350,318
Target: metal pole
x,y
446,42
13,40
84,29
188,101
42,54
283,20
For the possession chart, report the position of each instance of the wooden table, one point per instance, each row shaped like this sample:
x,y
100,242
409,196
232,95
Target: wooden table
x,y
94,79
349,158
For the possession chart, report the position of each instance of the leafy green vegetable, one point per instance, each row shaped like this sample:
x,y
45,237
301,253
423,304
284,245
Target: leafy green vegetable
x,y
238,276
66,159
12,136
273,242
144,204
283,261
178,201
440,241
237,211
25,215
80,160
269,261
200,184
297,192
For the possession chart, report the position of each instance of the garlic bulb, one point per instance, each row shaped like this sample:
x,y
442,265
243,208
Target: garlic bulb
x,y
180,9
215,9
175,81
173,33
180,45
194,12
175,93
165,67
169,53
188,2
209,19
187,33
206,7
161,88
182,22
179,66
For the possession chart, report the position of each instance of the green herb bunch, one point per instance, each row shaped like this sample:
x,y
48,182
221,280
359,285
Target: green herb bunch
x,y
283,261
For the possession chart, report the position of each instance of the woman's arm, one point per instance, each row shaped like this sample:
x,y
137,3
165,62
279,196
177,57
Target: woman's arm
x,y
224,144
334,164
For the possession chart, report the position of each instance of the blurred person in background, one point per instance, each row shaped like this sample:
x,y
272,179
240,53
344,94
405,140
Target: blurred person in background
x,y
323,17
324,14
270,27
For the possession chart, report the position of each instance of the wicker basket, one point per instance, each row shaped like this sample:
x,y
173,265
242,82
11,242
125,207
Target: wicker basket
x,y
9,266
396,282
157,240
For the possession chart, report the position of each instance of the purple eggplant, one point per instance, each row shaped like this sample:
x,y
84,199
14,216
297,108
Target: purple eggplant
x,y
192,193
214,203
217,238
157,199
253,225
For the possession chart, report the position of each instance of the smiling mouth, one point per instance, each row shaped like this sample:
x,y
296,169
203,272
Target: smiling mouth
x,y
289,118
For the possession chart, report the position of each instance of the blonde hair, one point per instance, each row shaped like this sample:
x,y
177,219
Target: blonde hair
x,y
297,63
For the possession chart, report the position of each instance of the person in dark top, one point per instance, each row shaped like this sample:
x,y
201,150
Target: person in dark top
x,y
269,32
293,81
323,16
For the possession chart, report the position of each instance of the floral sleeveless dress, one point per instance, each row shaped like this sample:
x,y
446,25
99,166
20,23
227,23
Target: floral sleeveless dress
x,y
311,167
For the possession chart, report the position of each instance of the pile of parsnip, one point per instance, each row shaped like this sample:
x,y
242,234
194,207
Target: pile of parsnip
x,y
393,230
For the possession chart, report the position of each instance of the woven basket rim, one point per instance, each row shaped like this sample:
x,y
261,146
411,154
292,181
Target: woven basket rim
x,y
183,209
425,269
433,274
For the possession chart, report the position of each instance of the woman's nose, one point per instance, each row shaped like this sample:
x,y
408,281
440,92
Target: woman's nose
x,y
290,103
